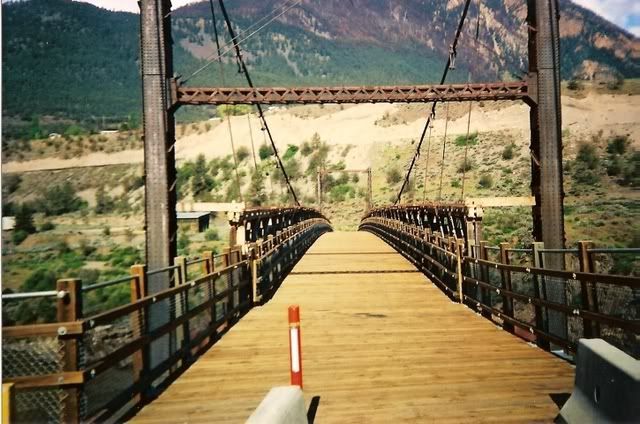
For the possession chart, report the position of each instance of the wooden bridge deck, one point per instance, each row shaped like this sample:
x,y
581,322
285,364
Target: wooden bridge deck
x,y
377,347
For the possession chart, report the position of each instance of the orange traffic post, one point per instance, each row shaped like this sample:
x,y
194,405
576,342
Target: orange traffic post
x,y
295,348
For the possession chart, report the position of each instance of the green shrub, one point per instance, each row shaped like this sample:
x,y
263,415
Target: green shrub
x,y
265,152
393,176
588,155
508,151
486,181
462,140
291,152
340,192
574,85
60,199
242,153
24,220
631,173
19,236
257,193
615,166
104,202
86,249
306,149
201,182
106,231
124,257
617,145
47,226
211,235
586,166
465,165
11,182
183,243
319,158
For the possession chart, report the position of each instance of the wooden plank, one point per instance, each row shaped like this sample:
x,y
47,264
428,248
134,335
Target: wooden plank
x,y
69,378
42,330
376,348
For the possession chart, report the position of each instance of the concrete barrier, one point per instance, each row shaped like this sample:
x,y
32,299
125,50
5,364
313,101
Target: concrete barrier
x,y
282,405
607,386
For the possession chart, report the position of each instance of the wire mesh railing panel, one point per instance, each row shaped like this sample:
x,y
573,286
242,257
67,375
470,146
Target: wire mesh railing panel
x,y
524,284
41,405
624,340
33,356
102,340
616,263
622,302
107,386
26,356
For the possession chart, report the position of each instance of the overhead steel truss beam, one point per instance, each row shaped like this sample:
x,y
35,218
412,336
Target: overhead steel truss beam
x,y
363,94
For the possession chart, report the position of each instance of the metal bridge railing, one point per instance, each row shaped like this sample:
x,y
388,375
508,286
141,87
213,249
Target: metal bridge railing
x,y
97,365
509,285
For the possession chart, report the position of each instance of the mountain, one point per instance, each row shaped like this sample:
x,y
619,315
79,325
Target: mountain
x,y
65,59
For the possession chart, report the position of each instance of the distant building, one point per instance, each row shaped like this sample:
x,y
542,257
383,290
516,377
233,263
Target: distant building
x,y
8,223
194,221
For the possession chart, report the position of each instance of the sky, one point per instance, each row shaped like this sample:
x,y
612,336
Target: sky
x,y
624,13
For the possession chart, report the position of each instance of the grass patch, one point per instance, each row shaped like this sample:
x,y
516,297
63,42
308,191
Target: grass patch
x,y
462,140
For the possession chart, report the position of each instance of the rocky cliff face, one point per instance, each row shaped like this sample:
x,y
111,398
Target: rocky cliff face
x,y
428,26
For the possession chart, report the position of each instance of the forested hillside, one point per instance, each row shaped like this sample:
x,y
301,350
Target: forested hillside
x,y
67,61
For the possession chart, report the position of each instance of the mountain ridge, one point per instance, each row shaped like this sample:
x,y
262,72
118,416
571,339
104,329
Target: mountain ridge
x,y
51,71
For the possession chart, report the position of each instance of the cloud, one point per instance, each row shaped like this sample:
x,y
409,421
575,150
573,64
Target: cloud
x,y
624,13
129,5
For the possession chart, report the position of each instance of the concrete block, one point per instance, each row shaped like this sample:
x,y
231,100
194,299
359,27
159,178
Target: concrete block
x,y
607,386
282,405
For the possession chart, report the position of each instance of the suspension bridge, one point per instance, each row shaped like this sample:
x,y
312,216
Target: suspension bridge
x,y
413,318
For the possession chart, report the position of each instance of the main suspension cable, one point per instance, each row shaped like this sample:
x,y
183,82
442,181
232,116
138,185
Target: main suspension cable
x,y
450,61
237,40
245,71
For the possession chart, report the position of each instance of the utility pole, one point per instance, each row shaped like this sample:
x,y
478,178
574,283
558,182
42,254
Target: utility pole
x,y
159,161
546,145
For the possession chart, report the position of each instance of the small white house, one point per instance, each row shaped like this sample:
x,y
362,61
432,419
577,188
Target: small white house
x,y
8,223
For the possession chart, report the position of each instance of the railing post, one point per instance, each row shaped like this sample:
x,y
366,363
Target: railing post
x,y
459,256
255,258
8,404
483,294
507,301
208,266
182,303
207,263
69,308
138,291
541,293
588,290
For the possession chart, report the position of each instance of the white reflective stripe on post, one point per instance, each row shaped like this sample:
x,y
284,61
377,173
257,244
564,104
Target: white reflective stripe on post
x,y
295,358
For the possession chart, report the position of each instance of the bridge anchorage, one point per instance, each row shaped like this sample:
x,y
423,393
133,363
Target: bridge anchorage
x,y
380,343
